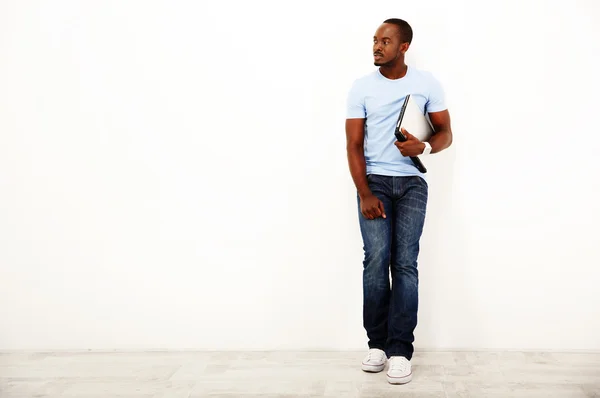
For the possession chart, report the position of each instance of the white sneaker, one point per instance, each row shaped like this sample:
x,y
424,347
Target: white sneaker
x,y
374,361
400,371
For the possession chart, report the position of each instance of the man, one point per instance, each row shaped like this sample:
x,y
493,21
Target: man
x,y
391,193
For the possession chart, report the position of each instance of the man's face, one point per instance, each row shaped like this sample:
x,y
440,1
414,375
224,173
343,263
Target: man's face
x,y
387,45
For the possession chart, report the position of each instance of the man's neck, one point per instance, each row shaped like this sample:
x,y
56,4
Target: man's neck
x,y
394,72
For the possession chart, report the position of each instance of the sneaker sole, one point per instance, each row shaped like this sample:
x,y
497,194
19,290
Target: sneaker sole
x,y
399,380
373,368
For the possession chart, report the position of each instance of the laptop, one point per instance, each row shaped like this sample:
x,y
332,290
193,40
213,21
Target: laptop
x,y
416,123
413,120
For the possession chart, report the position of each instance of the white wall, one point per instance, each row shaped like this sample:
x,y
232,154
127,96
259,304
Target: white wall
x,y
173,174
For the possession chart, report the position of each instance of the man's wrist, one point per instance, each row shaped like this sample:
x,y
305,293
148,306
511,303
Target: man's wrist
x,y
363,193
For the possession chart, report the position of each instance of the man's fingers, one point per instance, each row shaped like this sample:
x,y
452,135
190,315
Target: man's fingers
x,y
382,209
376,212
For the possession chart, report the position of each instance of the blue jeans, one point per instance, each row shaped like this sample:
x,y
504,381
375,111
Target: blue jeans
x,y
392,243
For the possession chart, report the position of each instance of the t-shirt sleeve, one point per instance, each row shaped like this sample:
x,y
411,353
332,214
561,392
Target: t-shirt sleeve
x,y
355,103
437,98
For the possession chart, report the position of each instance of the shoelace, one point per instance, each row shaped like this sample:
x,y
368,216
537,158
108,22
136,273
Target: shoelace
x,y
377,353
399,365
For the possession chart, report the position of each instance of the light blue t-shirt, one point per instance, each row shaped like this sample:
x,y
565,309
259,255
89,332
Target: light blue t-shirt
x,y
378,100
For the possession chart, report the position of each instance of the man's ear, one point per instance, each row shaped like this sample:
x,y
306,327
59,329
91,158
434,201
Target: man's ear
x,y
404,47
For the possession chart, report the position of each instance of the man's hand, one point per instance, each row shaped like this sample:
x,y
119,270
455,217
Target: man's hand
x,y
371,207
411,147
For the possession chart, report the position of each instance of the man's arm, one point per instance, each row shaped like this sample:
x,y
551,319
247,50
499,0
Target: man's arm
x,y
442,138
355,135
370,205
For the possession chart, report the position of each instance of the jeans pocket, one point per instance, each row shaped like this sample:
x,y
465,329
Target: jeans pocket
x,y
421,181
371,177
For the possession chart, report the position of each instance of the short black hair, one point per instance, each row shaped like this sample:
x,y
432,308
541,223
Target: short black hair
x,y
406,33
